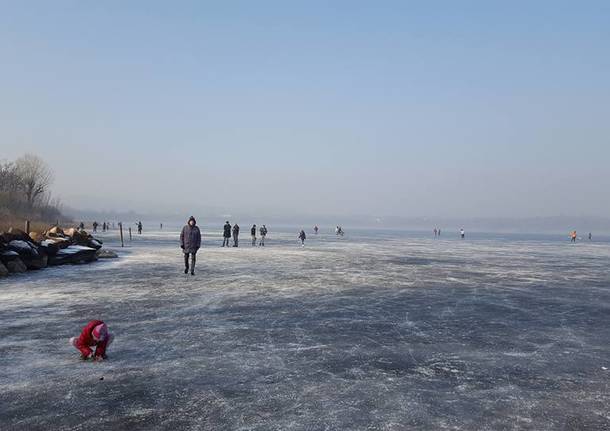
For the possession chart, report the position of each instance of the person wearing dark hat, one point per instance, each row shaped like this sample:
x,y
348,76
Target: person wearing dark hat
x,y
190,242
227,234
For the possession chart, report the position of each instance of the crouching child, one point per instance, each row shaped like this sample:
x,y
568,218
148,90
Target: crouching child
x,y
94,334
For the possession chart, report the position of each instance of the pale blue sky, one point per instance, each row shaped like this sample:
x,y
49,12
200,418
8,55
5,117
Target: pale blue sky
x,y
387,108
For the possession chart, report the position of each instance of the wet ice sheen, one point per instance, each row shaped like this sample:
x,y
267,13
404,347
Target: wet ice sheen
x,y
363,332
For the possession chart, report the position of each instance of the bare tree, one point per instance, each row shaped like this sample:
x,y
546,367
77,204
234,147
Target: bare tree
x,y
35,177
9,181
9,186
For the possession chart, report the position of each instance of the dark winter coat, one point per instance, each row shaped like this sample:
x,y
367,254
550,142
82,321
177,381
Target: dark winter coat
x,y
302,235
86,340
190,238
227,233
253,231
235,230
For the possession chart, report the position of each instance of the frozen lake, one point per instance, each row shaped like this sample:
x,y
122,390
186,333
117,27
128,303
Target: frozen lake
x,y
373,331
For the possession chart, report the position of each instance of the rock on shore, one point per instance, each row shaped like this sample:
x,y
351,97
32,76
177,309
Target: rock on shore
x,y
21,251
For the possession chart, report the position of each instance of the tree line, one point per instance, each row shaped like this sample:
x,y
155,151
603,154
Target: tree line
x,y
25,190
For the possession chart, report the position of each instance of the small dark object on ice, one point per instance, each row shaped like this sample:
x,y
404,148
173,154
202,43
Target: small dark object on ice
x,y
102,378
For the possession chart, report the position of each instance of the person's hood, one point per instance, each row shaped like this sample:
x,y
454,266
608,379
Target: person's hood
x,y
100,332
192,218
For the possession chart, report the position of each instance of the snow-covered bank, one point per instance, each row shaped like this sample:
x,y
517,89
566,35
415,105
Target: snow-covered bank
x,y
352,333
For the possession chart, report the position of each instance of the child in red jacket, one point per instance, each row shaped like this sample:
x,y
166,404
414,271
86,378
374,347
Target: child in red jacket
x,y
94,334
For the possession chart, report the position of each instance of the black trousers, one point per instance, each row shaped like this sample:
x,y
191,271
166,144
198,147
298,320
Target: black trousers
x,y
193,260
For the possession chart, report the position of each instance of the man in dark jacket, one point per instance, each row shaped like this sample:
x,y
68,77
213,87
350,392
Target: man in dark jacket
x,y
227,234
235,235
190,241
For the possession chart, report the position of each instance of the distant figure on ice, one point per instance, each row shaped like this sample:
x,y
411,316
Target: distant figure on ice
x,y
95,225
139,228
235,235
104,227
462,233
435,233
190,241
253,234
573,236
263,232
302,237
160,226
339,231
439,232
81,226
226,236
590,237
315,229
94,334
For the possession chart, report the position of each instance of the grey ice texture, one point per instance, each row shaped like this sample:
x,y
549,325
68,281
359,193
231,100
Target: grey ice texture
x,y
372,331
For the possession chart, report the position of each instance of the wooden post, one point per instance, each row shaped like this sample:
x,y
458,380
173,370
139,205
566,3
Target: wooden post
x,y
129,234
121,230
27,227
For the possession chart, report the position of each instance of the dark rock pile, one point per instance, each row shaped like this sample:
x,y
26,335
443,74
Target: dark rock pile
x,y
20,251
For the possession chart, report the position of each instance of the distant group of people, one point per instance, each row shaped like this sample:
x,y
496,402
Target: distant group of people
x,y
263,234
233,232
95,225
437,232
574,236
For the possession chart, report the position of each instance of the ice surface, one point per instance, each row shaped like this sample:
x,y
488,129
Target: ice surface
x,y
370,331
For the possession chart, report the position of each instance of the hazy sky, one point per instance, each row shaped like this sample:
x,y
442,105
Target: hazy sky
x,y
333,107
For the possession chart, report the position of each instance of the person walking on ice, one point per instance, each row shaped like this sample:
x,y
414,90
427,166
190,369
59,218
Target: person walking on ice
x,y
226,234
95,333
462,233
302,237
253,234
190,242
235,235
